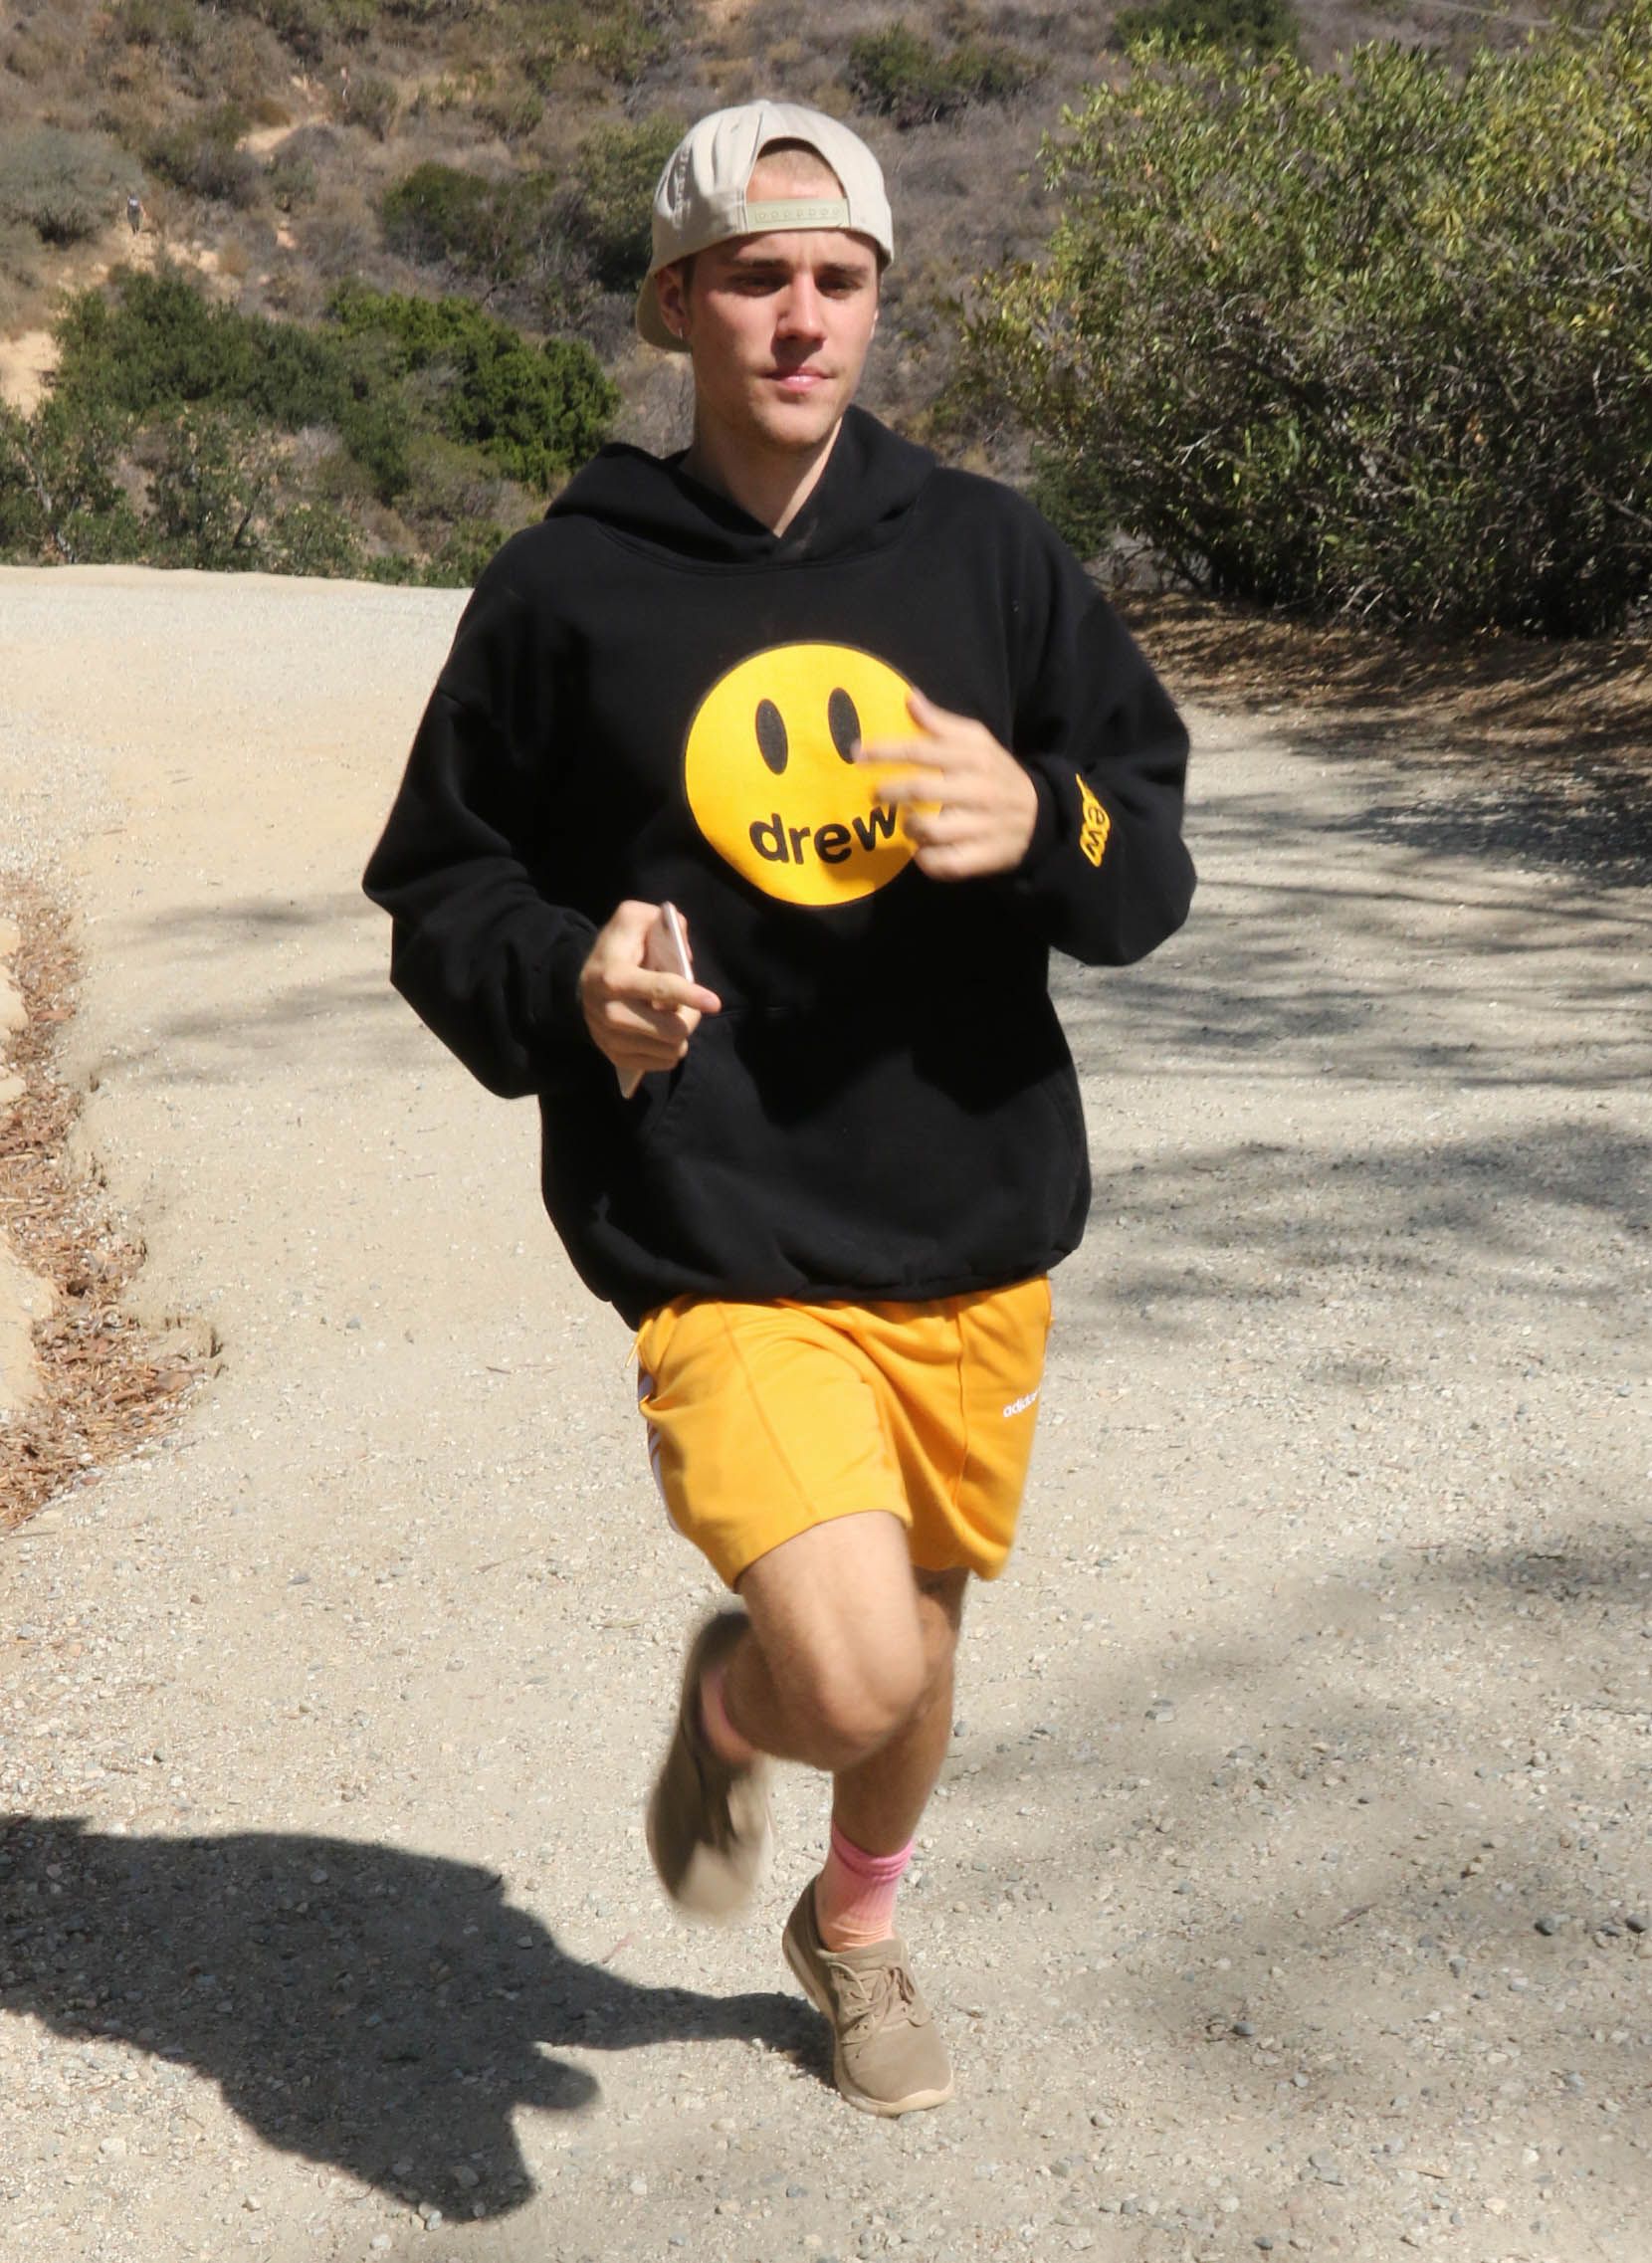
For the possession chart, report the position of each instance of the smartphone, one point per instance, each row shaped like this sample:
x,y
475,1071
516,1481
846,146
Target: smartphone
x,y
666,952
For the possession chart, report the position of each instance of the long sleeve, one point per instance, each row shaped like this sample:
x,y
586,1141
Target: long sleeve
x,y
1107,877
478,948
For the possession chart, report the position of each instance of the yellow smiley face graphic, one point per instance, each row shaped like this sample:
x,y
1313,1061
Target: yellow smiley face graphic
x,y
770,775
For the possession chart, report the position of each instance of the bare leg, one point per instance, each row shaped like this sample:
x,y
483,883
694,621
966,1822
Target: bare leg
x,y
843,1647
849,1667
877,1802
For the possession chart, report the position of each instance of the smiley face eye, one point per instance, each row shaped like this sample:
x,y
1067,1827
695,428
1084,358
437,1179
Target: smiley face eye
x,y
772,742
844,725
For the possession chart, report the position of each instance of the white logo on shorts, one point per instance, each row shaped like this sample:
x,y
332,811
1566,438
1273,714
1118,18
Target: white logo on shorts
x,y
1020,1405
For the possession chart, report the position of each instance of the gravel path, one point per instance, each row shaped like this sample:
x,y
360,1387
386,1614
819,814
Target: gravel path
x,y
1286,1891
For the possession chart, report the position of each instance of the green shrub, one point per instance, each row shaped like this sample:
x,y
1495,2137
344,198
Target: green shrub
x,y
314,538
1240,27
309,27
211,485
65,186
202,156
60,498
170,24
909,80
533,411
1374,341
513,114
483,228
459,561
161,344
531,234
289,179
373,103
611,200
437,406
616,38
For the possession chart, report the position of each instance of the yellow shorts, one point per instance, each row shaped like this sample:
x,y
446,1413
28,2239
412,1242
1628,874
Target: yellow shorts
x,y
767,1419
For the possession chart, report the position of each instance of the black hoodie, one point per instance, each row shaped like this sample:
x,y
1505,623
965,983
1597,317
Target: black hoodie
x,y
651,694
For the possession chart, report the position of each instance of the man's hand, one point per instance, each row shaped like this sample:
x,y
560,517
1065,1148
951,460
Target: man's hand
x,y
640,1018
966,801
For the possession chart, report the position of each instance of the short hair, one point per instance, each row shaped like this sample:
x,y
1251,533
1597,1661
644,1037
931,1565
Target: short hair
x,y
809,160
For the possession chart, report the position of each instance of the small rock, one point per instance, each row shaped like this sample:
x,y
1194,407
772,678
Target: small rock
x,y
465,2177
1549,1924
1243,2027
1636,1920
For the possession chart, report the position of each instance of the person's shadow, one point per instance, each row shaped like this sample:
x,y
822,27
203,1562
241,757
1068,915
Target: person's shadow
x,y
383,2011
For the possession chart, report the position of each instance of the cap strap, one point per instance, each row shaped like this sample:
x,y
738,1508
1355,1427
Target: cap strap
x,y
801,212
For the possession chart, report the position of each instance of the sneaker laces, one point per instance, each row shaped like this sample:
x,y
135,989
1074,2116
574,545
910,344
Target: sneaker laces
x,y
874,2000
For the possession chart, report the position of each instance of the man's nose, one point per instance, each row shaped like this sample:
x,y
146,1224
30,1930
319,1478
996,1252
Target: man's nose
x,y
801,308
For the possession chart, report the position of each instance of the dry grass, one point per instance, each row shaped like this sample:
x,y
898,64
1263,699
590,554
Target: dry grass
x,y
1489,696
108,1384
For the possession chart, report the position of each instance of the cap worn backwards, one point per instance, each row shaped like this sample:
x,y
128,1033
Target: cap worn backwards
x,y
702,199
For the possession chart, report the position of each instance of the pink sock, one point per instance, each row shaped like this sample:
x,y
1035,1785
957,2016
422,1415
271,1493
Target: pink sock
x,y
854,1895
721,1733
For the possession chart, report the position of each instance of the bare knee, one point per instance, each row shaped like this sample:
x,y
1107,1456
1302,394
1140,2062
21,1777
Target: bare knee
x,y
853,1647
856,1700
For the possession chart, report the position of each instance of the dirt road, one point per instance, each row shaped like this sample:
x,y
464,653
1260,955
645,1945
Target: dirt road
x,y
1288,1886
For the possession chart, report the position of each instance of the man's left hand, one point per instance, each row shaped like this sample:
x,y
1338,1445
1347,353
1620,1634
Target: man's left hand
x,y
966,800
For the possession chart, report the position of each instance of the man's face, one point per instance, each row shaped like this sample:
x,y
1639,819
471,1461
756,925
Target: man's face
x,y
778,328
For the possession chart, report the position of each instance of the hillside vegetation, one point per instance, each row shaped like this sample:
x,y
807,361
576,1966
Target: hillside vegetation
x,y
379,298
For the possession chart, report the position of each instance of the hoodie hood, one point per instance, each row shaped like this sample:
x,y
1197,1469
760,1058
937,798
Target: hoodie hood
x,y
871,481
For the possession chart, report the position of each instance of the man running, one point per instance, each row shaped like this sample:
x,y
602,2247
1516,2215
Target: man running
x,y
865,724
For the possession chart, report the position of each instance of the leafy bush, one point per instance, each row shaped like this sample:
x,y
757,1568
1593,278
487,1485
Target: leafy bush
x,y
289,179
212,485
1241,27
1374,341
616,38
59,496
373,103
157,23
161,344
513,114
483,228
308,27
611,202
65,186
532,230
202,156
190,406
909,80
533,411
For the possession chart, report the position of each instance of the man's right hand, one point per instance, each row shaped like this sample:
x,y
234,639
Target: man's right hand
x,y
640,1018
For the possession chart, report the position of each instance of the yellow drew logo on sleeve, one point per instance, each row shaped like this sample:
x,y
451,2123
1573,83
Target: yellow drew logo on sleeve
x,y
1097,825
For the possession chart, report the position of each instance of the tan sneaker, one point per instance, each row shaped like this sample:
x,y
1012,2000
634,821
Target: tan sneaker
x,y
888,2057
708,1824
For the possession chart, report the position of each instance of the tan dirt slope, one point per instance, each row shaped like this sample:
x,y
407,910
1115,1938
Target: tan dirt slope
x,y
1287,1889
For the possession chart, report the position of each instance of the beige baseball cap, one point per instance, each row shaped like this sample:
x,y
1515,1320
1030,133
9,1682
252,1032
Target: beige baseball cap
x,y
700,199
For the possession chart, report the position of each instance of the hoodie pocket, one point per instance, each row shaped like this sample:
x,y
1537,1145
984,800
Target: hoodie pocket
x,y
880,1145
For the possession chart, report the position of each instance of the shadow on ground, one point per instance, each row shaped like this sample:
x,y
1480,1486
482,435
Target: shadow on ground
x,y
381,2011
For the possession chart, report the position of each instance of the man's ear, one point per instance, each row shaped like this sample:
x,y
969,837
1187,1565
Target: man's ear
x,y
671,290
